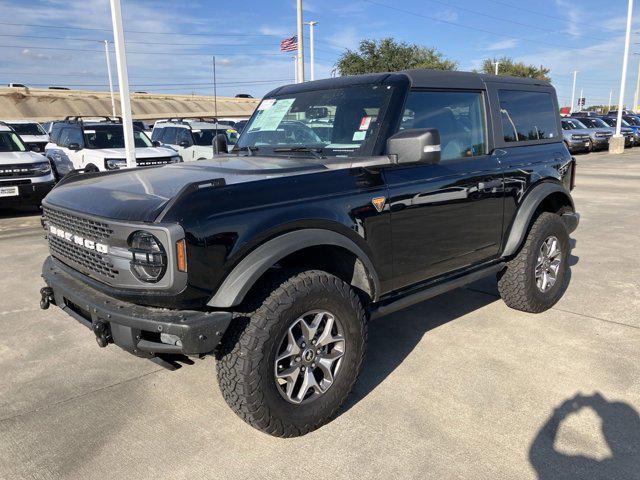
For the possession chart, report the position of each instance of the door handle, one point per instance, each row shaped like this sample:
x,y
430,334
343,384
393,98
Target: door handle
x,y
490,184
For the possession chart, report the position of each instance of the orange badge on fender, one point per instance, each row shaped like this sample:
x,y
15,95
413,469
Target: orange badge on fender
x,y
378,202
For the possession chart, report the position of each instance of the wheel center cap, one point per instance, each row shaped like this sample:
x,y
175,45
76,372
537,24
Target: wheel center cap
x,y
308,355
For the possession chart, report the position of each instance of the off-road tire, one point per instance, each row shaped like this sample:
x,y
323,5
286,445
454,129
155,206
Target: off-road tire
x,y
516,283
245,366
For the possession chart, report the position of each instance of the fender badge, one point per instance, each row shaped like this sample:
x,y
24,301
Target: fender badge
x,y
379,202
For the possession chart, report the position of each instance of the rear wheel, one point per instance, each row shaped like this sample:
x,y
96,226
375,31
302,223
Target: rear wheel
x,y
286,367
535,279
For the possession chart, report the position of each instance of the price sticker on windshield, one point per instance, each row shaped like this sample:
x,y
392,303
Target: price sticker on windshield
x,y
266,104
365,123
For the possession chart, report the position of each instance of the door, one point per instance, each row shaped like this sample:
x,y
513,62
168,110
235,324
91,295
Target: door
x,y
446,216
65,159
184,142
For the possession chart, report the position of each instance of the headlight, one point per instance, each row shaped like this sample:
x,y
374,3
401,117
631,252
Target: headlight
x,y
114,163
176,159
149,261
42,168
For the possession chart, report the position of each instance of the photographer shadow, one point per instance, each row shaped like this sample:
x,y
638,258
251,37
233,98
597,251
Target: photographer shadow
x,y
620,429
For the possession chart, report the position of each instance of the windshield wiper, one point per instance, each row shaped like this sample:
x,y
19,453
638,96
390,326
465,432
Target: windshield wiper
x,y
315,151
251,150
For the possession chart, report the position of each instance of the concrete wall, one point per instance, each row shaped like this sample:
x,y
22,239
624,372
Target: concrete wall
x,y
44,104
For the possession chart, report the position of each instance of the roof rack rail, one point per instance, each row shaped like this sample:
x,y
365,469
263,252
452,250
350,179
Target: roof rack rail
x,y
81,118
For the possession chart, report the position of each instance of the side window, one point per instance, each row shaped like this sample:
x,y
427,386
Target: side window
x,y
458,116
156,135
184,135
527,116
169,136
63,139
56,129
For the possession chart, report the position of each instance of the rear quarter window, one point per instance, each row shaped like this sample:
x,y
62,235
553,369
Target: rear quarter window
x,y
527,116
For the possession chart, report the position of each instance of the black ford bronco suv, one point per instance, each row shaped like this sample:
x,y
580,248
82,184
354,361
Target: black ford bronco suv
x,y
344,199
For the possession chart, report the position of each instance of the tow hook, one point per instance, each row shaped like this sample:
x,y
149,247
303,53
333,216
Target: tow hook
x,y
46,297
103,335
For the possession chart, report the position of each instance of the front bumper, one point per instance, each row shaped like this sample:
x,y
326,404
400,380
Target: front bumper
x,y
29,194
132,327
579,145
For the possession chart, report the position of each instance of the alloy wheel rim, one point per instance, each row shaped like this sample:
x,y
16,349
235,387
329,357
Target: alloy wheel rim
x,y
309,357
548,264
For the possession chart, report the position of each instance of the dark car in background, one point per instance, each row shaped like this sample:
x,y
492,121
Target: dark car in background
x,y
599,132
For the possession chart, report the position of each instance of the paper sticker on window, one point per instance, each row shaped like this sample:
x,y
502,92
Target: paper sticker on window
x,y
365,123
269,120
266,104
89,132
359,136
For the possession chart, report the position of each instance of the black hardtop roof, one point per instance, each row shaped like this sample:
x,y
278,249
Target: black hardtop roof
x,y
419,78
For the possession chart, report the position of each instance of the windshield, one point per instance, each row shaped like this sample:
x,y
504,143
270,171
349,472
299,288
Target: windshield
x,y
609,121
632,120
112,136
27,128
205,137
341,121
573,124
10,142
594,123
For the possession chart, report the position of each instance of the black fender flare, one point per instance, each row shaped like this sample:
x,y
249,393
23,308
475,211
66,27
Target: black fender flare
x,y
529,205
246,273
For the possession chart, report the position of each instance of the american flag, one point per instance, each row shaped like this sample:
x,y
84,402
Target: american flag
x,y
289,44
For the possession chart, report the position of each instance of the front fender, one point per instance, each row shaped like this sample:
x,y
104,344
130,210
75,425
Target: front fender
x,y
255,264
527,209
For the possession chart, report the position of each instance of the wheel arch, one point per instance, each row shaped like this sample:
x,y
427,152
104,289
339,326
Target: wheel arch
x,y
307,248
550,197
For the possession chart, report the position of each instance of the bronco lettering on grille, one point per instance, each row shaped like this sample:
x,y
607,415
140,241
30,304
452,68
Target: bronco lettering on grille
x,y
78,240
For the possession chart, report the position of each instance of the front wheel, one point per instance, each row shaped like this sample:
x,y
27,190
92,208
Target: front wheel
x,y
535,279
286,367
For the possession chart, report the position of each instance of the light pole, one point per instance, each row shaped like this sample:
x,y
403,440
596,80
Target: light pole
x,y
635,97
123,80
108,58
573,91
300,57
580,104
616,144
610,95
497,65
312,69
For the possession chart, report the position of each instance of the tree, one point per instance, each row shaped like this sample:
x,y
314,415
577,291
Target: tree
x,y
515,69
388,55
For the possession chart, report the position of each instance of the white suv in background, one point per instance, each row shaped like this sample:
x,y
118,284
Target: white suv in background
x,y
193,137
32,134
25,176
98,145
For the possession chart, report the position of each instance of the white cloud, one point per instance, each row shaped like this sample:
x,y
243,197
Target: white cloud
x,y
447,15
505,44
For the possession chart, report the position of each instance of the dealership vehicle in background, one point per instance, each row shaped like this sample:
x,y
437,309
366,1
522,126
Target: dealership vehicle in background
x,y
630,137
193,138
32,134
275,257
25,176
576,139
599,137
96,145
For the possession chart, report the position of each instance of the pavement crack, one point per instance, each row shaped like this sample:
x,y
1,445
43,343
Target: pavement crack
x,y
75,397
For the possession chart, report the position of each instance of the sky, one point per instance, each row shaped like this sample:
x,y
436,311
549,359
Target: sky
x,y
170,44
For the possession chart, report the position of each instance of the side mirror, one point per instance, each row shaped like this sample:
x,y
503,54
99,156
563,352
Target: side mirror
x,y
73,146
35,148
185,144
420,145
155,143
220,144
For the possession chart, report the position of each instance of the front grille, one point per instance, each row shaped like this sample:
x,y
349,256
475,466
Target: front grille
x,y
148,162
13,183
603,134
24,170
88,259
580,137
80,226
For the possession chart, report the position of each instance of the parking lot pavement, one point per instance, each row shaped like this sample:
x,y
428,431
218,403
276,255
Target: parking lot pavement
x,y
457,387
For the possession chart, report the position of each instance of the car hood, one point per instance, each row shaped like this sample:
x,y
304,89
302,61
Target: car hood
x,y
20,158
142,194
141,152
35,138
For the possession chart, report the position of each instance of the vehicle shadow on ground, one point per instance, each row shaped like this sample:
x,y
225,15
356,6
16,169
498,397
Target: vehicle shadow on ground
x,y
19,212
620,430
393,337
